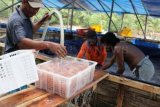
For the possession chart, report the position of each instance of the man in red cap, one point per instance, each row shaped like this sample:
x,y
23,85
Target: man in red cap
x,y
20,30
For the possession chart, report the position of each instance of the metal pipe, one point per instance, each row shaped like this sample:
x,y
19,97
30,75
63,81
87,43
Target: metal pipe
x,y
53,3
60,8
107,13
68,18
120,7
116,4
145,9
12,6
4,3
109,26
137,17
92,5
122,20
67,5
146,20
72,12
117,11
80,5
104,5
9,6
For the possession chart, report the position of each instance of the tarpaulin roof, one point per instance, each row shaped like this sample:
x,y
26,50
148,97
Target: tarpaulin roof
x,y
152,6
143,7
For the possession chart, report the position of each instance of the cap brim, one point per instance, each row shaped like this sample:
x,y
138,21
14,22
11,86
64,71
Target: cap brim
x,y
35,5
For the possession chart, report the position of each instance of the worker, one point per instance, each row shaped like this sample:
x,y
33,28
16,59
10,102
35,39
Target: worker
x,y
20,30
123,52
92,49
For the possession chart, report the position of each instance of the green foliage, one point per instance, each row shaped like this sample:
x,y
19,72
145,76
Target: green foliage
x,y
4,4
86,19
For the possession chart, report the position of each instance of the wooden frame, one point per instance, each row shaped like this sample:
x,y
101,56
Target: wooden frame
x,y
134,84
34,97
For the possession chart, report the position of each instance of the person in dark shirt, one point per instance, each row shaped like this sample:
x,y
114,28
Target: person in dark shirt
x,y
20,31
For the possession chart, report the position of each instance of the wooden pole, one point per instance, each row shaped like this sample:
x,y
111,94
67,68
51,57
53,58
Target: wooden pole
x,y
120,95
109,26
145,26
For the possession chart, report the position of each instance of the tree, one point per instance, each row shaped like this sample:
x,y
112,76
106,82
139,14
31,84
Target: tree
x,y
4,4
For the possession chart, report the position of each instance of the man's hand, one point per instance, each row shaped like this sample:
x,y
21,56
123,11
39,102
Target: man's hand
x,y
104,67
41,22
46,17
99,66
58,49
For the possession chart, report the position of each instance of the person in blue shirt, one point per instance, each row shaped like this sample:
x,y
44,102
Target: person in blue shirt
x,y
20,30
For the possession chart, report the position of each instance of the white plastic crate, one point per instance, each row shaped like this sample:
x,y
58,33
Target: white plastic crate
x,y
17,69
64,86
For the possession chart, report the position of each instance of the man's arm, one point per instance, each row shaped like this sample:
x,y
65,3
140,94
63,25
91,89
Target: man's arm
x,y
82,50
56,48
112,60
41,22
104,54
120,60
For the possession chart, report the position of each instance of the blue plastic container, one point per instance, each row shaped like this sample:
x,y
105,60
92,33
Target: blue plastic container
x,y
72,46
145,43
3,25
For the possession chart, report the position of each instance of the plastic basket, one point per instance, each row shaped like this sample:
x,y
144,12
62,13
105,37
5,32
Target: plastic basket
x,y
63,85
146,43
17,69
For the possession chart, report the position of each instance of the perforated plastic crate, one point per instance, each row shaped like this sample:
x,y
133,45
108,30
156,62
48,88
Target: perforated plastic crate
x,y
65,80
17,69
